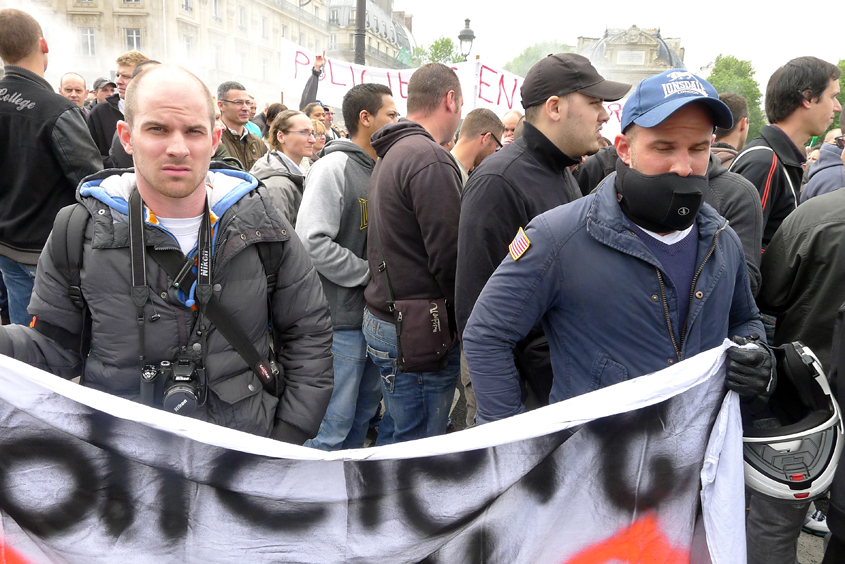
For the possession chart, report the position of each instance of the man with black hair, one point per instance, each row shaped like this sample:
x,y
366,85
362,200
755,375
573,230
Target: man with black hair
x,y
730,141
234,104
800,103
332,223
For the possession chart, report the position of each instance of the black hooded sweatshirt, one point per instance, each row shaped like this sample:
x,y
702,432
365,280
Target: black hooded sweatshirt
x,y
415,203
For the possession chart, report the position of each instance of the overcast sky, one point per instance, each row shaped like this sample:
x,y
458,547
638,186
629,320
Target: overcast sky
x,y
752,30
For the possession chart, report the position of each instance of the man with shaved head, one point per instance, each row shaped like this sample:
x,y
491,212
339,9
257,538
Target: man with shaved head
x,y
214,252
72,86
45,150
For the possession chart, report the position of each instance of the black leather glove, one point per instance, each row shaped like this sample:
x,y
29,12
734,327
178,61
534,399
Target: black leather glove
x,y
751,372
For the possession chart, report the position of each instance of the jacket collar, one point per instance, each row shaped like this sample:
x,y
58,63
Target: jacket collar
x,y
14,70
782,145
545,151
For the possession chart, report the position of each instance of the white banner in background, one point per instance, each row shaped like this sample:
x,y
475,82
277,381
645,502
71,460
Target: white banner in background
x,y
616,475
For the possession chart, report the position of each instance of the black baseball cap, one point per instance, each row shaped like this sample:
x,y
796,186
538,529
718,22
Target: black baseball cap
x,y
563,73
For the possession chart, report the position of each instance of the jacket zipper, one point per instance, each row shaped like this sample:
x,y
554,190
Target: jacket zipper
x,y
691,294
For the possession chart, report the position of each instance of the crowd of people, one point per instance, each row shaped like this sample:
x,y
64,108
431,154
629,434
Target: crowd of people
x,y
278,274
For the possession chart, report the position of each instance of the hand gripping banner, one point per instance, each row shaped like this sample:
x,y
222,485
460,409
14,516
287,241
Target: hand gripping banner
x,y
649,470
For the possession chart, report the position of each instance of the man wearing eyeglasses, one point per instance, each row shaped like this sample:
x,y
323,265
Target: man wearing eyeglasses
x,y
828,172
102,121
234,104
562,96
479,138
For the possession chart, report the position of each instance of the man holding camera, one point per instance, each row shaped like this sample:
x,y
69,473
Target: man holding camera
x,y
182,271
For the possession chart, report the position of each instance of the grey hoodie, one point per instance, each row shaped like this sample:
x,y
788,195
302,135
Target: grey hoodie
x,y
332,223
284,186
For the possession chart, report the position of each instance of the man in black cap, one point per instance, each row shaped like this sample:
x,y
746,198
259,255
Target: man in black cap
x,y
102,89
629,280
562,96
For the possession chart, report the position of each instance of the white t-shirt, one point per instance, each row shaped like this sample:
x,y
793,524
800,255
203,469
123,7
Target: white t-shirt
x,y
186,230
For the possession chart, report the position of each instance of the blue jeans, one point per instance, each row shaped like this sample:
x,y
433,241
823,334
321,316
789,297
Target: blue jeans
x,y
356,394
418,402
19,280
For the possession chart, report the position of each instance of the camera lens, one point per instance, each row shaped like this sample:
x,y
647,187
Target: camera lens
x,y
181,398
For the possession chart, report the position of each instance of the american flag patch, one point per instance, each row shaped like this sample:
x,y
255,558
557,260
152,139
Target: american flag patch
x,y
519,245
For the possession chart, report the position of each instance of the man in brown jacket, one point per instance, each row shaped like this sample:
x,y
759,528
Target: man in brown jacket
x,y
233,102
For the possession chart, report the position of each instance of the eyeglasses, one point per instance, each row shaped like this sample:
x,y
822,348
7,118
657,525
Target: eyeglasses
x,y
496,139
305,133
320,135
840,142
236,102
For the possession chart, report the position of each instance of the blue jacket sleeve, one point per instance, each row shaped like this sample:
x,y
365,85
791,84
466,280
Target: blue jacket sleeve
x,y
514,300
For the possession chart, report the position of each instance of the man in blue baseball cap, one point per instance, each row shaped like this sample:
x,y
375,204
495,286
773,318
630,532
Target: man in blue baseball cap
x,y
629,280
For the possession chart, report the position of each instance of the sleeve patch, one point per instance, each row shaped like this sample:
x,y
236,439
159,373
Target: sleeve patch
x,y
519,245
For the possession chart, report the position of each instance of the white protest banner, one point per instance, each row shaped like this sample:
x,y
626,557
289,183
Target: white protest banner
x,y
483,86
612,476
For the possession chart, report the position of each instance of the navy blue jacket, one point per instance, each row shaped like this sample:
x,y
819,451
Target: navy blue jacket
x,y
594,285
827,174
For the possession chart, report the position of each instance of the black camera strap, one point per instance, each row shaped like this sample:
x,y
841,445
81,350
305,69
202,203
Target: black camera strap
x,y
208,305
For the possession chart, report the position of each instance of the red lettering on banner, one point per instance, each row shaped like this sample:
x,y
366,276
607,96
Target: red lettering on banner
x,y
401,82
331,73
505,92
642,542
10,556
363,72
615,111
297,62
389,82
482,83
352,72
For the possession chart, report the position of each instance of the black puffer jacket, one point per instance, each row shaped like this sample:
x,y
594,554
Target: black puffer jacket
x,y
236,399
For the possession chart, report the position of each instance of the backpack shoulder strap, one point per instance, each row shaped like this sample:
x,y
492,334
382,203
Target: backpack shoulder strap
x,y
68,241
271,258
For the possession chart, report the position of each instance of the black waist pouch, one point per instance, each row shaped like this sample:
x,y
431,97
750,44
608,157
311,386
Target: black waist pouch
x,y
423,334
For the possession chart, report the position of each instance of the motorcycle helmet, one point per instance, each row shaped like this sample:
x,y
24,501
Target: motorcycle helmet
x,y
791,446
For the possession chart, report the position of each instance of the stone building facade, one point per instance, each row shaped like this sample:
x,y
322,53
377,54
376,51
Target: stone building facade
x,y
633,54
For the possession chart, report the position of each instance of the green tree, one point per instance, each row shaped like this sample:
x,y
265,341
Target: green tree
x,y
730,74
533,54
841,96
442,50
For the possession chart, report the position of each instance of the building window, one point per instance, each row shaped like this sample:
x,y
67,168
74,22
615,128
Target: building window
x,y
241,17
302,39
86,37
188,5
133,39
317,45
215,9
243,63
376,23
284,31
352,17
124,1
333,41
317,12
188,42
265,69
265,27
378,46
333,18
217,53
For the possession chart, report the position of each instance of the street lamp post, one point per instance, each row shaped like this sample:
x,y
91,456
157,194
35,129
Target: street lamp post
x,y
466,37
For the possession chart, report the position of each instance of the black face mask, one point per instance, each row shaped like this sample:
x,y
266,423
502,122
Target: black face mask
x,y
662,202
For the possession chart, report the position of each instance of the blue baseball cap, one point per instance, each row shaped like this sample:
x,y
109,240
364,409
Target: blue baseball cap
x,y
658,97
